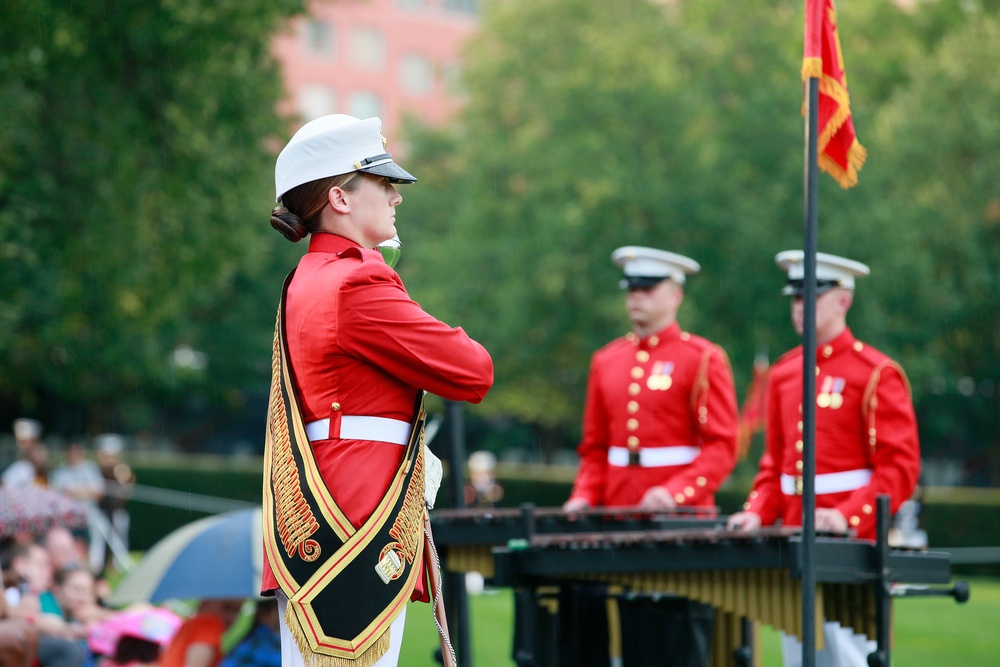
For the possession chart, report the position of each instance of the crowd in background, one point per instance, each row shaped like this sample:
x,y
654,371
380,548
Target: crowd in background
x,y
57,574
102,487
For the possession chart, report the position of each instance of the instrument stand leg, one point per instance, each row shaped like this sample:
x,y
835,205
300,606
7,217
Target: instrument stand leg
x,y
883,601
455,595
456,601
743,656
536,627
525,627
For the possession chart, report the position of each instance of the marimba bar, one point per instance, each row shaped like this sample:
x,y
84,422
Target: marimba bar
x,y
466,537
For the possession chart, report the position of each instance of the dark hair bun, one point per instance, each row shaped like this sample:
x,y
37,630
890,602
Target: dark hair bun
x,y
290,225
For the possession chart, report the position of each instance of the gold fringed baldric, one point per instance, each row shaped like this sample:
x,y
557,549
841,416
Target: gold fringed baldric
x,y
345,586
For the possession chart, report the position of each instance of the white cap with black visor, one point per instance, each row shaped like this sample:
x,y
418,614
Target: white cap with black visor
x,y
644,268
333,145
831,271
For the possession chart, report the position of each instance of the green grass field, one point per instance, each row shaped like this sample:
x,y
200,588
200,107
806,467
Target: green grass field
x,y
929,632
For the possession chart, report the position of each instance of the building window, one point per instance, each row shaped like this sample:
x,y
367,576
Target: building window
x,y
315,100
364,104
416,75
470,7
318,38
367,48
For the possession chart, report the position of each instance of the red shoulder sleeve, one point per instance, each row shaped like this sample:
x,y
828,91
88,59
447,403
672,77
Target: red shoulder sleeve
x,y
381,324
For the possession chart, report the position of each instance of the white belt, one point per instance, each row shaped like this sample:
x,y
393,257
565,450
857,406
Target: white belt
x,y
382,429
654,457
831,482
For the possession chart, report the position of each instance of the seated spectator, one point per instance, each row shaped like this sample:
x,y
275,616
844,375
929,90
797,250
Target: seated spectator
x,y
73,597
27,575
66,551
28,571
133,637
63,548
261,647
198,643
73,602
18,639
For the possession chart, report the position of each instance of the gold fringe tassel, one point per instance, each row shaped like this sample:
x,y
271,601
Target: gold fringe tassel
x,y
812,68
369,657
856,154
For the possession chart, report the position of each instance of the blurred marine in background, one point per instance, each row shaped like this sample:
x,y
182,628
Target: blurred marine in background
x,y
660,433
866,434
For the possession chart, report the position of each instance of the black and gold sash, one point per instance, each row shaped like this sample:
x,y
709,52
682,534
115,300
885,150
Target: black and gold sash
x,y
345,586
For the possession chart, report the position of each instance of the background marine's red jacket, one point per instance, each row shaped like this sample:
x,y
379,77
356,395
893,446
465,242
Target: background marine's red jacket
x,y
864,421
670,389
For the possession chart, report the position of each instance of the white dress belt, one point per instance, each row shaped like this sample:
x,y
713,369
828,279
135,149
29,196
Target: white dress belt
x,y
830,482
353,427
654,457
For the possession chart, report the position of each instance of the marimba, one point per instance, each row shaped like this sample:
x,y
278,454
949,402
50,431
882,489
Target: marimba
x,y
756,575
753,577
466,537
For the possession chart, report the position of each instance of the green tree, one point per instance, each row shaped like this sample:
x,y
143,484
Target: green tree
x,y
594,125
938,142
675,124
134,167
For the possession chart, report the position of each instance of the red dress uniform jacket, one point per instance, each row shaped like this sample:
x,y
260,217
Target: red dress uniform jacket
x,y
864,422
359,346
670,390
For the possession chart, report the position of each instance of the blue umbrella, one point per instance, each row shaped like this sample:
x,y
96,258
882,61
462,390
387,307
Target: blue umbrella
x,y
216,557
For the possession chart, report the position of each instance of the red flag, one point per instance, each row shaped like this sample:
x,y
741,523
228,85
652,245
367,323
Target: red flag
x,y
839,152
753,414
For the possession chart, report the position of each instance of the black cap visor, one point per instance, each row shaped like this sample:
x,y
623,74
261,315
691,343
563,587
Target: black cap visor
x,y
797,287
387,169
641,282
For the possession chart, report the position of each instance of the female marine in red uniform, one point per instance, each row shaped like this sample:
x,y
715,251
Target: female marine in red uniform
x,y
359,349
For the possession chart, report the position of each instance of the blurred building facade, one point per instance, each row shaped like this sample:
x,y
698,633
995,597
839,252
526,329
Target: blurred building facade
x,y
385,58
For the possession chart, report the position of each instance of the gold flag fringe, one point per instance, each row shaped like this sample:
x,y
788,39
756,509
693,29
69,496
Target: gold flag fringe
x,y
367,658
848,178
812,68
856,154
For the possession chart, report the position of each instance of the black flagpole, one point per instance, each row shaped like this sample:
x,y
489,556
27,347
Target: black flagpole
x,y
811,225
